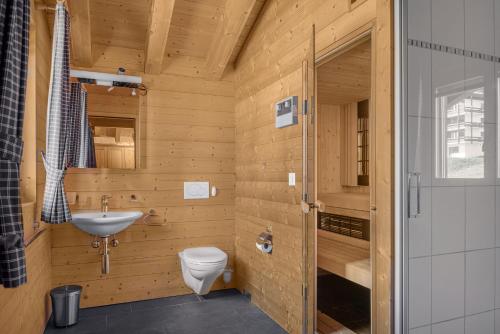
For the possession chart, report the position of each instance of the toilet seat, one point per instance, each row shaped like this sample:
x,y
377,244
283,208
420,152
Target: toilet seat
x,y
204,256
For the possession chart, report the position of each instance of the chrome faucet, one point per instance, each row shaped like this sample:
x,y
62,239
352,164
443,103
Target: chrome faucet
x,y
104,203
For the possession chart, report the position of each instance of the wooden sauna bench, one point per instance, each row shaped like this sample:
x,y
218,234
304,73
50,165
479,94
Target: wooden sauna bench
x,y
327,325
342,255
345,256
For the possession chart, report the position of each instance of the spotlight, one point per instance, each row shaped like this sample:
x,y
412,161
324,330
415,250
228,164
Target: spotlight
x,y
134,93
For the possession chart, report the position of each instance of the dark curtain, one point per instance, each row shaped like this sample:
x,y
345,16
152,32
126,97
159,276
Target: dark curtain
x,y
80,144
55,209
74,125
14,42
86,147
91,160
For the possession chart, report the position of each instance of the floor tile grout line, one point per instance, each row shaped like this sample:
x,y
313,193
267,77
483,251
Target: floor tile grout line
x,y
160,306
200,300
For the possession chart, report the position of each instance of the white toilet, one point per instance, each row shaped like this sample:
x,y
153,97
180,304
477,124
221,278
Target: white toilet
x,y
201,266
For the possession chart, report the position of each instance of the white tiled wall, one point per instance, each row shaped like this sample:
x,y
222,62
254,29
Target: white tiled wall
x,y
447,21
419,21
483,323
421,330
480,281
420,291
479,25
419,141
497,321
454,245
497,281
456,326
497,216
480,217
420,74
448,286
448,220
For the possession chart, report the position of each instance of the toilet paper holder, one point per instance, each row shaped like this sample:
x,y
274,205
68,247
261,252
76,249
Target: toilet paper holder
x,y
265,242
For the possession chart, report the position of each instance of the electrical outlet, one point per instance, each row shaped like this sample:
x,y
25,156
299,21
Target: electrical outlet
x,y
291,179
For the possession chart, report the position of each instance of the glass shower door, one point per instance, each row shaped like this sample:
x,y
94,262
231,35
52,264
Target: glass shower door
x,y
450,254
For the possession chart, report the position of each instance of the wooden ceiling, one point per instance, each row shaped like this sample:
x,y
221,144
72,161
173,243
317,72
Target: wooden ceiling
x,y
119,23
162,29
347,77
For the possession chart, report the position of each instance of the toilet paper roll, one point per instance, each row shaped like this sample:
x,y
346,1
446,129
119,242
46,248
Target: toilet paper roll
x,y
264,248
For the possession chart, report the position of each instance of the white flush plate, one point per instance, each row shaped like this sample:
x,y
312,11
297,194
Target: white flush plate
x,y
196,190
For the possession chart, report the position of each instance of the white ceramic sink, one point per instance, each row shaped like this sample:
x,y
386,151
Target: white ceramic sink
x,y
104,224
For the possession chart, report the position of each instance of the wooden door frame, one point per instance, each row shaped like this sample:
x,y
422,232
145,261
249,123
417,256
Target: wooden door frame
x,y
381,245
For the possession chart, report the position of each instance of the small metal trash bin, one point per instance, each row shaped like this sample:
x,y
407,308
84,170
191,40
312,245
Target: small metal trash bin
x,y
65,304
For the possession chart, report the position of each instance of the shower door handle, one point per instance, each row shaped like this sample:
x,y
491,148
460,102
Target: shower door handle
x,y
418,176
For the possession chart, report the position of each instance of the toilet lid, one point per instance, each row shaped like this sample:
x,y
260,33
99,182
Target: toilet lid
x,y
204,255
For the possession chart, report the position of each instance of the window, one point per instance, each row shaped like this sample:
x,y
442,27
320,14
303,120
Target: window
x,y
459,130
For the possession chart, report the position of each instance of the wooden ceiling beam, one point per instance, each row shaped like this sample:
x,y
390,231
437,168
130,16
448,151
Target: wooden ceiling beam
x,y
159,26
81,41
229,29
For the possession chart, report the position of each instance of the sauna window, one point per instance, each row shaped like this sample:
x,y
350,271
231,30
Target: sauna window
x,y
362,149
354,152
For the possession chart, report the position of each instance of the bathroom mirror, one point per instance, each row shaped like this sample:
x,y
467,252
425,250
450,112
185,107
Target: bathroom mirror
x,y
114,141
113,116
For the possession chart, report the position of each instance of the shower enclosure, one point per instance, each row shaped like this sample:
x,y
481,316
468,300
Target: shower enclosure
x,y
448,190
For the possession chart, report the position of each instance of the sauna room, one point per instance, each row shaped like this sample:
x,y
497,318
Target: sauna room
x,y
249,166
343,170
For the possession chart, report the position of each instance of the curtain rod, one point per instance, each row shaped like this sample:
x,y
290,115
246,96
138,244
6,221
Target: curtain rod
x,y
45,7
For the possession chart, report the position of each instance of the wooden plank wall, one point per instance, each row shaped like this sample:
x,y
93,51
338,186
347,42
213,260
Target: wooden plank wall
x,y
269,69
197,130
27,308
187,134
328,148
114,105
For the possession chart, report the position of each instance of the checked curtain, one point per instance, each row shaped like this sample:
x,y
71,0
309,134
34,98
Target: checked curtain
x,y
14,41
55,209
69,141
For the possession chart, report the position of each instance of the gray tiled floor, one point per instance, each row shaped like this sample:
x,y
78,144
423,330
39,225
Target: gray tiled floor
x,y
224,312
